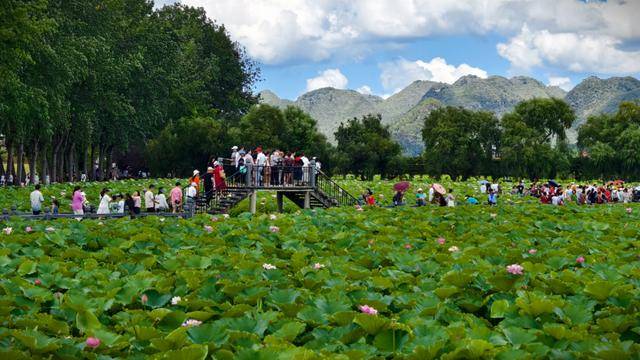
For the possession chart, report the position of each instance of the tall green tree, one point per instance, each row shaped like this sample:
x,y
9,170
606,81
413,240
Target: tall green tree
x,y
461,142
533,140
365,147
610,143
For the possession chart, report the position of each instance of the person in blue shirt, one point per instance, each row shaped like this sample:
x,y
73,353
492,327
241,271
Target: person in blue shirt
x,y
472,200
493,198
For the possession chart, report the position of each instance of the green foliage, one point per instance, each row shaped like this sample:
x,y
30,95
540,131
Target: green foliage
x,y
365,147
186,145
610,143
533,141
460,142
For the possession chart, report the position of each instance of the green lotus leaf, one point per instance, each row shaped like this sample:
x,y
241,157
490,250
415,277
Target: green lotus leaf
x,y
191,352
372,324
36,341
156,299
500,308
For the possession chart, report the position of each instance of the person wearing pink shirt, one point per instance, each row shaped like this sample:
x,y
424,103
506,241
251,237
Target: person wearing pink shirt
x,y
176,197
77,204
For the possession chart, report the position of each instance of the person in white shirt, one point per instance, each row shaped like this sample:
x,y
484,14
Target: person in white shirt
x,y
161,201
431,194
150,199
191,194
483,188
105,202
305,168
36,200
235,156
261,161
451,200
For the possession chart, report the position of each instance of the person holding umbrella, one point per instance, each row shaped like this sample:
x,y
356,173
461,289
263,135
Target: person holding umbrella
x,y
400,188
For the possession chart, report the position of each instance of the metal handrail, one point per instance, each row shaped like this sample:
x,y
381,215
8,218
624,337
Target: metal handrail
x,y
334,191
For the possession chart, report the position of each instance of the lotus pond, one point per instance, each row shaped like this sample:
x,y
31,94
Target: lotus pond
x,y
509,282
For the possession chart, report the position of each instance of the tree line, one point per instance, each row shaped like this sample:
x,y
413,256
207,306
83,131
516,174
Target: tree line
x,y
530,142
89,82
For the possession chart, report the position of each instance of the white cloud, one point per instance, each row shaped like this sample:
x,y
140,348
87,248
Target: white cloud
x,y
365,90
398,74
328,78
570,51
563,83
279,31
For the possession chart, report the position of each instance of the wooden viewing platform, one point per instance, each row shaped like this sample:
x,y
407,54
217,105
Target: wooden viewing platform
x,y
305,186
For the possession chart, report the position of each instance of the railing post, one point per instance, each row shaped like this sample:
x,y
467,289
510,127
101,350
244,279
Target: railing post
x,y
312,174
248,176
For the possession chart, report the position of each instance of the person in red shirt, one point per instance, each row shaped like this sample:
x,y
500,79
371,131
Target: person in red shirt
x,y
219,177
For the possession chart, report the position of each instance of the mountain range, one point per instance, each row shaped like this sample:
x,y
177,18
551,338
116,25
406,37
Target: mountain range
x,y
404,112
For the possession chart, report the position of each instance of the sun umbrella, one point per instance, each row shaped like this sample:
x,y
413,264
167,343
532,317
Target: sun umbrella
x,y
439,189
553,183
481,182
402,186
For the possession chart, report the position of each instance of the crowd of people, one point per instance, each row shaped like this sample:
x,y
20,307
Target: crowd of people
x,y
130,203
273,168
555,194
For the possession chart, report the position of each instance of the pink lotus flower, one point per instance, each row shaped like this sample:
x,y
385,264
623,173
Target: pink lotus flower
x,y
50,229
318,266
268,266
515,269
191,322
368,309
580,259
274,229
454,249
407,246
38,282
441,240
273,217
175,300
7,230
208,228
359,208
93,342
144,299
214,219
629,210
226,216
28,229
533,251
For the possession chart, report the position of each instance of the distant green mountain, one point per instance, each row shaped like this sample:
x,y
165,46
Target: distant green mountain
x,y
496,93
594,95
407,130
404,112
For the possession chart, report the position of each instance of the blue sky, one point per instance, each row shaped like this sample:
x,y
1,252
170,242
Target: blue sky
x,y
380,46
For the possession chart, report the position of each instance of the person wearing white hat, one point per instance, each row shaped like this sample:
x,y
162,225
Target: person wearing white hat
x,y
195,179
235,155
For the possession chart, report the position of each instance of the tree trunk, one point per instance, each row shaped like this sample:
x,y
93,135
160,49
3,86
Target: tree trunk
x,y
9,146
85,160
45,167
70,164
92,176
33,161
20,163
54,161
101,162
109,160
61,165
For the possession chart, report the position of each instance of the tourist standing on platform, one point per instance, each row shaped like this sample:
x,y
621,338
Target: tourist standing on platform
x,y
208,183
235,156
305,168
261,160
191,194
150,199
36,201
105,202
176,197
195,179
219,178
